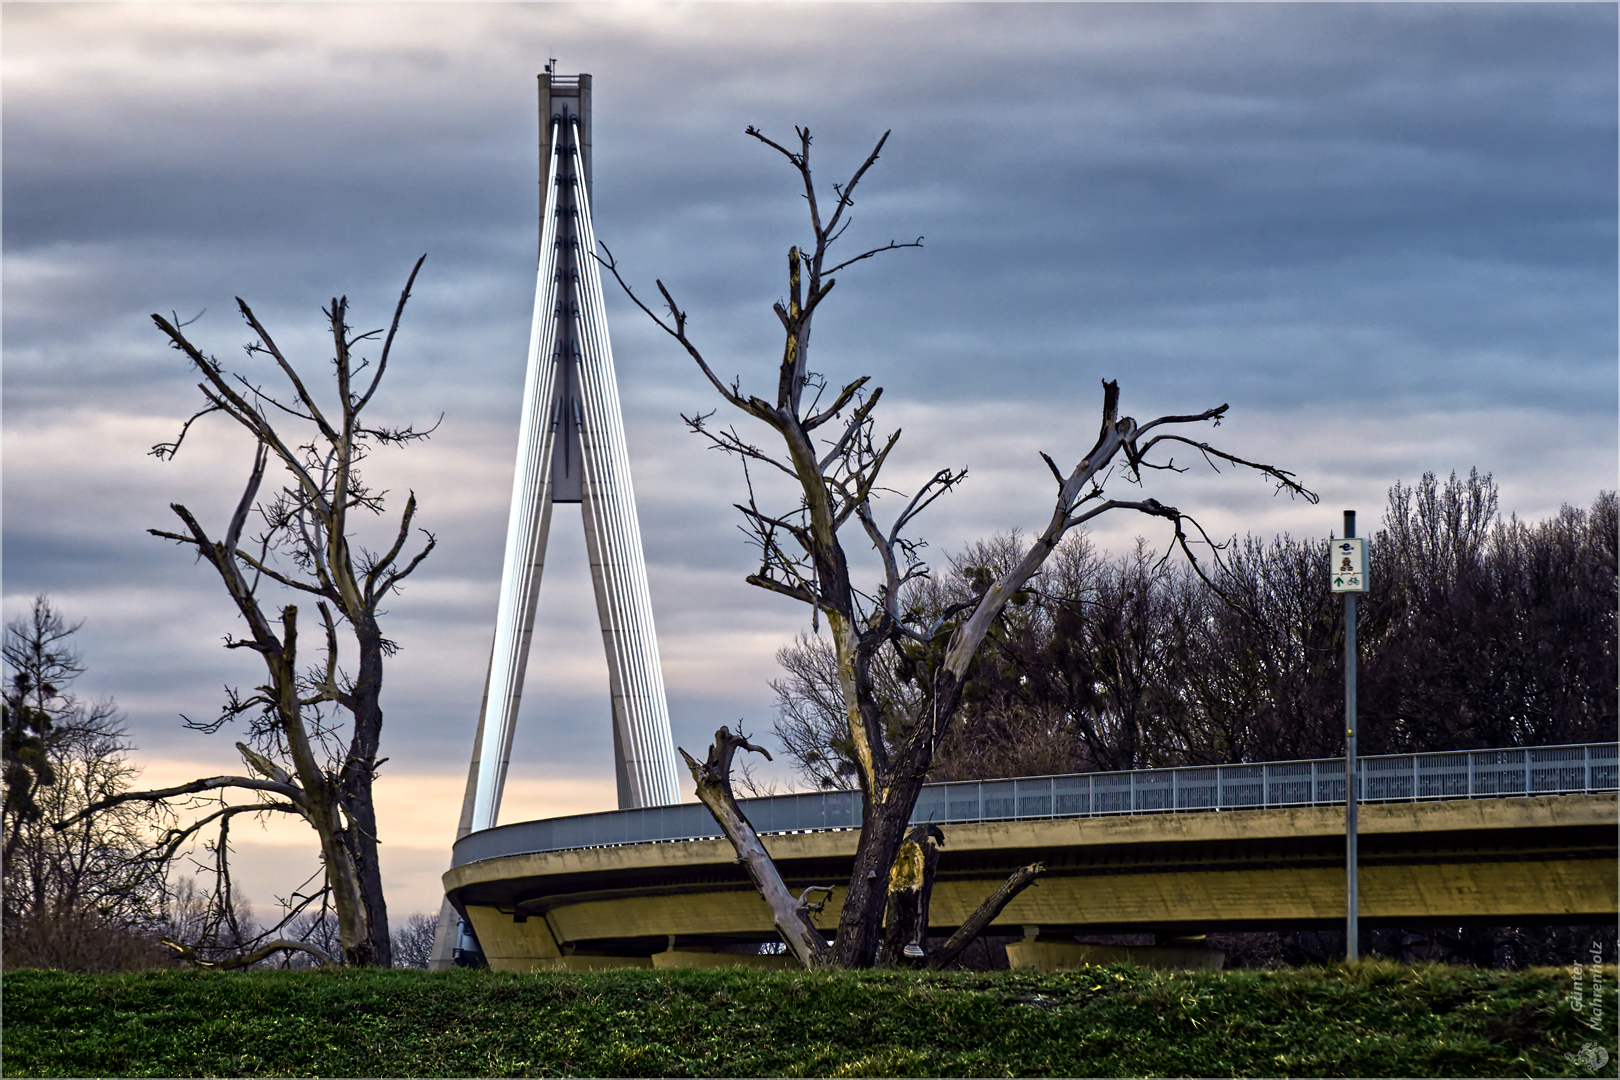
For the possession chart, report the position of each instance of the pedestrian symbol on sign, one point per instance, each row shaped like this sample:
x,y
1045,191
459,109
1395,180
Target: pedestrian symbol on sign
x,y
1347,564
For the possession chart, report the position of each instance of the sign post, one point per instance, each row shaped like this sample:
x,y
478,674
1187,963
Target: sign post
x,y
1347,571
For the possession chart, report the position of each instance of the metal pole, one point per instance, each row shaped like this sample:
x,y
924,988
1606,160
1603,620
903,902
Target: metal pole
x,y
1352,935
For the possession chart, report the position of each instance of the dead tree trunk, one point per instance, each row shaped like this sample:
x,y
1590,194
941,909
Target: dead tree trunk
x,y
834,483
790,913
298,759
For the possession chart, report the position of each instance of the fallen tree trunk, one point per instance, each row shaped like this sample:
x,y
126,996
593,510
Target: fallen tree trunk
x,y
1021,879
790,913
248,959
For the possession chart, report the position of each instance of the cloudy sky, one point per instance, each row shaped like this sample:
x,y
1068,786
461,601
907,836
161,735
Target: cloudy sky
x,y
1385,234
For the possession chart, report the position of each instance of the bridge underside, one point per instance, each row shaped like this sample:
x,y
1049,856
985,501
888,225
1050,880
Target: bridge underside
x,y
1484,861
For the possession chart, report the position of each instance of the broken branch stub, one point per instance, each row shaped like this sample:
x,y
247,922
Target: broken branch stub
x,y
791,914
911,884
1021,879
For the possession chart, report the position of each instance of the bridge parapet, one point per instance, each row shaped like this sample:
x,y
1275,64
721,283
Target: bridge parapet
x,y
1582,768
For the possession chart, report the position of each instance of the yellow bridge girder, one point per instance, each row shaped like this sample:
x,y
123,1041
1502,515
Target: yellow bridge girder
x,y
1507,860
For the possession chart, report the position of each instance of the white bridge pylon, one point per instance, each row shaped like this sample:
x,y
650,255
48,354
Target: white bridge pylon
x,y
571,448
572,435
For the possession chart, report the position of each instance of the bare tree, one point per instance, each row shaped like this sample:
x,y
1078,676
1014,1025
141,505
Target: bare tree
x,y
833,455
85,898
413,943
313,731
1494,633
1084,669
211,935
810,721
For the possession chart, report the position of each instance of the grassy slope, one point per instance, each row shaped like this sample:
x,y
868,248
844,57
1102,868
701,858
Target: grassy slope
x,y
1375,1019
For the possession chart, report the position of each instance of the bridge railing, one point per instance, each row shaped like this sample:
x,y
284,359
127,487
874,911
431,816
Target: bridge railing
x,y
1468,774
1544,770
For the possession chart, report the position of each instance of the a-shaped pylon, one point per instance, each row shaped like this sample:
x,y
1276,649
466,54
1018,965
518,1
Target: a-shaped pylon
x,y
571,448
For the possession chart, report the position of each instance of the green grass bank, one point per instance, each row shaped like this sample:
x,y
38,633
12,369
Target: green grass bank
x,y
1370,1019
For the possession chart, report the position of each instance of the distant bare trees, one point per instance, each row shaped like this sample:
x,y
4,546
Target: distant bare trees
x,y
1496,633
1479,632
813,490
89,897
413,942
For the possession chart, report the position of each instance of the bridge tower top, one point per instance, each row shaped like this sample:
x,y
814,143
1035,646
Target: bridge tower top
x,y
563,97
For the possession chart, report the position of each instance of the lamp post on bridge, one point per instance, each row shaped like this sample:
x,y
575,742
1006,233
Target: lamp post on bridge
x,y
1347,571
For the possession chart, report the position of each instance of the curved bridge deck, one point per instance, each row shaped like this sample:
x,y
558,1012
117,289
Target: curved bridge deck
x,y
1198,861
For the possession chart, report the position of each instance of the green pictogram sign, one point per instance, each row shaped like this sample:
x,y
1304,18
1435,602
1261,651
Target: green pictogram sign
x,y
1347,564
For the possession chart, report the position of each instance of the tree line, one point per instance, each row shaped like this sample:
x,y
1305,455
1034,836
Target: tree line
x,y
102,893
1479,632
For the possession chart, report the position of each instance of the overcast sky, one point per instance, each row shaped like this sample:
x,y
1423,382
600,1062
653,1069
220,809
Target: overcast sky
x,y
1385,234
